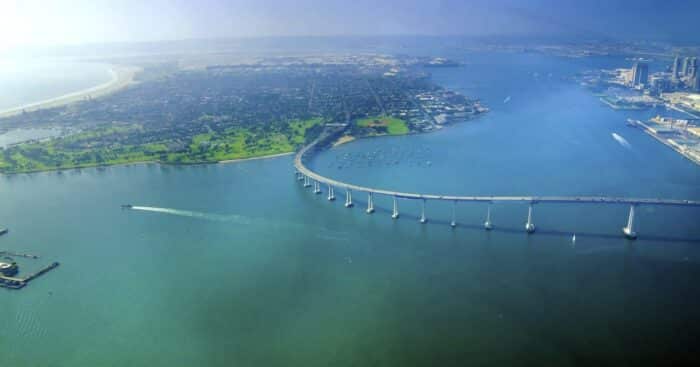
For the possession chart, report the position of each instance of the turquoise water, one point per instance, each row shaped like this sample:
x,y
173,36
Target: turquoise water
x,y
24,81
237,264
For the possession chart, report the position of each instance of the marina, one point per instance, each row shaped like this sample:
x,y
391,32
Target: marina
x,y
9,269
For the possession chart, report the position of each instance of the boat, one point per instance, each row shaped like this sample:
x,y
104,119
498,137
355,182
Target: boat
x,y
127,206
573,238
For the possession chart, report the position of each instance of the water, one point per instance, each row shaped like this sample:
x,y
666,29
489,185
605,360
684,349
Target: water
x,y
20,135
238,264
23,81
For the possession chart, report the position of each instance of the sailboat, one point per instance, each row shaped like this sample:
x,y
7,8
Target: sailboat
x,y
573,239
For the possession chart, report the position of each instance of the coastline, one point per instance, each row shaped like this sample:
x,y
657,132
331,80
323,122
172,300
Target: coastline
x,y
668,142
228,161
122,76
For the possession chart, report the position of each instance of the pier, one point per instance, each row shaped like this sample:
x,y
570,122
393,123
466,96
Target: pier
x,y
306,175
19,283
17,254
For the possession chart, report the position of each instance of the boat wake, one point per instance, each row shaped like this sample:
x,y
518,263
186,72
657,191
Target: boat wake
x,y
193,214
621,140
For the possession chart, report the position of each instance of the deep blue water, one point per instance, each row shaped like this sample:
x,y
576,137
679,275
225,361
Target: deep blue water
x,y
238,264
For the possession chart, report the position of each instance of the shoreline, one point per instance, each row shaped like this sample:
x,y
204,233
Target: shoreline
x,y
122,76
667,142
228,161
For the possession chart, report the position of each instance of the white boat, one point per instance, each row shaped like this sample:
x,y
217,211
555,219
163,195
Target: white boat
x,y
573,238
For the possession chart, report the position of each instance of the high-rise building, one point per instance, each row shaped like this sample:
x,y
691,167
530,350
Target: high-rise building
x,y
693,69
686,66
676,68
696,85
659,83
640,73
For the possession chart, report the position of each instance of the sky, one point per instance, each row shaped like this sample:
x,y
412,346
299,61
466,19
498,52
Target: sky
x,y
61,22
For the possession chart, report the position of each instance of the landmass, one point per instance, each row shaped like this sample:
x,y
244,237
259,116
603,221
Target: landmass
x,y
676,88
223,113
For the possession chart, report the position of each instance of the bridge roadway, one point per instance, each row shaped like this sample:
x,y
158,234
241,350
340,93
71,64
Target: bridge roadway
x,y
301,168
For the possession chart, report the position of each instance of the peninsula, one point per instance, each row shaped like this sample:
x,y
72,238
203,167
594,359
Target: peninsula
x,y
222,113
121,77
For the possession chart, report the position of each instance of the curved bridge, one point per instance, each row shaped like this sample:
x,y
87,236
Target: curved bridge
x,y
312,178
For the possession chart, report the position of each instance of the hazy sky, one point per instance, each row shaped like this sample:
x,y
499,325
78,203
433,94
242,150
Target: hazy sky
x,y
24,22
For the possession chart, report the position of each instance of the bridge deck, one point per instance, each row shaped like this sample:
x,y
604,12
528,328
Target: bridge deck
x,y
299,165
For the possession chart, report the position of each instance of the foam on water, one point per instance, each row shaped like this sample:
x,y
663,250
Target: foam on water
x,y
621,140
193,214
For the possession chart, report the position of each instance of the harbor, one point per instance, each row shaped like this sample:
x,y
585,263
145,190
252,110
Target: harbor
x,y
13,282
672,138
10,269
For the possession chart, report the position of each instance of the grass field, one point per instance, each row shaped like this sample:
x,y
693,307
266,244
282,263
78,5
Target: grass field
x,y
392,125
108,145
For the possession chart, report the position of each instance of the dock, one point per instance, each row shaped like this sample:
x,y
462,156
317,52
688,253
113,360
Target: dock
x,y
19,283
667,142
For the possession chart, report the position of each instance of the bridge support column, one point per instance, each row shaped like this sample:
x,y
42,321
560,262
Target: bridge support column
x,y
331,194
348,198
317,187
629,229
395,213
488,225
529,226
306,181
370,203
300,176
453,223
423,219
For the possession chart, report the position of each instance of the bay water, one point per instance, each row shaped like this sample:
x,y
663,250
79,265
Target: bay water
x,y
238,264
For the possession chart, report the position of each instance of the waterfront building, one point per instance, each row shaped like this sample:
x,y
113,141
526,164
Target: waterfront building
x,y
640,73
8,269
696,84
659,83
676,68
686,66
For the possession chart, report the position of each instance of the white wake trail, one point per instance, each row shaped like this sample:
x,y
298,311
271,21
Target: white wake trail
x,y
193,214
622,141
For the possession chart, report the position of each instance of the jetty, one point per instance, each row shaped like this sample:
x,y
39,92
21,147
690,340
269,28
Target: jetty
x,y
17,254
19,283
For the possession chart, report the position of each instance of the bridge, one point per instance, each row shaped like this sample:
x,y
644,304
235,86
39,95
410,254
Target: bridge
x,y
314,179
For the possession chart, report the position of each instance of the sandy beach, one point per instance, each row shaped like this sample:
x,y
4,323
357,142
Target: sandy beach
x,y
343,140
122,76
